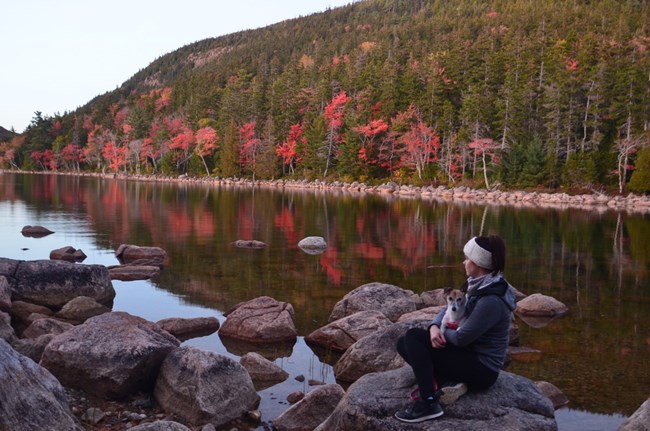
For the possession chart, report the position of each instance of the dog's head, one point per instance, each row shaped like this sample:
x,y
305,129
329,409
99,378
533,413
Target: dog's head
x,y
455,298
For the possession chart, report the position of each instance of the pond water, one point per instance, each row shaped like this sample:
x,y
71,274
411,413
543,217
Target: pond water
x,y
596,262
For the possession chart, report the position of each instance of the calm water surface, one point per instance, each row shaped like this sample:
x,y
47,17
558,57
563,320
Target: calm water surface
x,y
596,262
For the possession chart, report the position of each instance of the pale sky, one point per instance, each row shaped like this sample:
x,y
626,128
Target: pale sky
x,y
56,55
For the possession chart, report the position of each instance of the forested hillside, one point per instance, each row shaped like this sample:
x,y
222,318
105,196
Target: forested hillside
x,y
516,93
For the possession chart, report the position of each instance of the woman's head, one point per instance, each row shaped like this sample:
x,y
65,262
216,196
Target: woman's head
x,y
487,253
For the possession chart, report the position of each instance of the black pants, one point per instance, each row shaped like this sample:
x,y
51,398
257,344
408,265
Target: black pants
x,y
450,363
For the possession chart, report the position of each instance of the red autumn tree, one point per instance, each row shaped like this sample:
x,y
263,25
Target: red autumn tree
x,y
289,150
334,113
114,155
183,142
421,146
206,144
72,156
370,135
250,146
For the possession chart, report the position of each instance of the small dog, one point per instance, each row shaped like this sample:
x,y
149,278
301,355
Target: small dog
x,y
455,313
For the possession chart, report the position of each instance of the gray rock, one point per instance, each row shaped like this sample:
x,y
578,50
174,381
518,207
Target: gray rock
x,y
93,415
5,294
7,332
434,298
160,426
513,403
204,387
68,253
427,313
133,272
553,393
33,348
80,309
539,305
311,411
260,320
184,329
129,253
111,355
312,244
45,326
640,419
251,244
376,352
21,310
35,231
391,300
263,372
342,333
31,398
54,283
296,396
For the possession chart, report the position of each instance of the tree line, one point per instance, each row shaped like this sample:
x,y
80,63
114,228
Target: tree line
x,y
518,94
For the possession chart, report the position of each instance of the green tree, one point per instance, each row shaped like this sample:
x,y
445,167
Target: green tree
x,y
229,154
640,181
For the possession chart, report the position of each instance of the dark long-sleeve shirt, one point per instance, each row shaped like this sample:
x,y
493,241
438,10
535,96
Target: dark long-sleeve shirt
x,y
485,331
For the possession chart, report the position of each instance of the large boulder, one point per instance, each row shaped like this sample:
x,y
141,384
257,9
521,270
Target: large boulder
x,y
111,355
640,419
391,300
80,309
184,329
260,320
342,333
375,352
311,411
204,387
513,403
54,283
31,398
128,253
540,305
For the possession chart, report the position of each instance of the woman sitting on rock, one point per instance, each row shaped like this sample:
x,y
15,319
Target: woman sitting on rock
x,y
445,364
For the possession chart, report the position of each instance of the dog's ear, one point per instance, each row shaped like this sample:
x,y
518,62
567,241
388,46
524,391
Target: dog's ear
x,y
447,289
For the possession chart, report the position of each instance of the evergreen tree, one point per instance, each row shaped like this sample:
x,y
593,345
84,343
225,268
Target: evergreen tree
x,y
229,155
640,181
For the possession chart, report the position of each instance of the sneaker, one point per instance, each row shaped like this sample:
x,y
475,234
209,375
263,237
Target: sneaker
x,y
450,392
420,411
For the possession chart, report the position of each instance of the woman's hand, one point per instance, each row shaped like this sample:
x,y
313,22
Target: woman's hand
x,y
438,340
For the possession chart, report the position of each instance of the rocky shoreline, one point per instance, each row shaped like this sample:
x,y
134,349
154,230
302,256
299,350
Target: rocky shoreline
x,y
68,362
596,201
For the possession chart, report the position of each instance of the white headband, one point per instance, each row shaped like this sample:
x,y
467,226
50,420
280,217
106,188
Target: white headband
x,y
478,254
